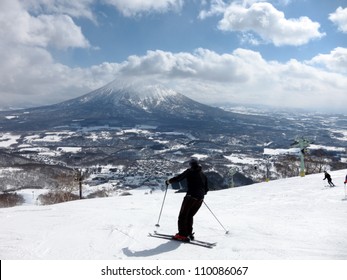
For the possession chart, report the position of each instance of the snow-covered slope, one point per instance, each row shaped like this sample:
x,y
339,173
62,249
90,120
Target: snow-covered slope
x,y
295,218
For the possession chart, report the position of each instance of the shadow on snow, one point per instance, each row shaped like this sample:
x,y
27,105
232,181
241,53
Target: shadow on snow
x,y
162,248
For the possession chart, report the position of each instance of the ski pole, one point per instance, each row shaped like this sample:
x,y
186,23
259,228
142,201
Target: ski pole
x,y
226,231
162,205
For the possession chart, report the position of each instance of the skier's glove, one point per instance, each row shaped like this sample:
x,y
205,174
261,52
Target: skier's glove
x,y
167,182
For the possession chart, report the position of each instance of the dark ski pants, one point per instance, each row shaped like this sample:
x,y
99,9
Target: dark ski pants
x,y
189,208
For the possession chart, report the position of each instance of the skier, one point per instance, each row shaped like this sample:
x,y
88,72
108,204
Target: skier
x,y
328,177
197,188
345,182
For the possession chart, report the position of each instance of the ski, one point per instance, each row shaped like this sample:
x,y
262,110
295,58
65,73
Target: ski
x,y
193,242
199,241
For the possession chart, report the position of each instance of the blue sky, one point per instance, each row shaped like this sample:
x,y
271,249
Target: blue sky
x,y
280,52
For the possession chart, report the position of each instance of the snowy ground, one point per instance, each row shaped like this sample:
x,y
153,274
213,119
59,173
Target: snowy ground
x,y
289,219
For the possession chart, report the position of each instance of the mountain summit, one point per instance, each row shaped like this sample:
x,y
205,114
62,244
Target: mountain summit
x,y
116,95
119,104
139,95
137,91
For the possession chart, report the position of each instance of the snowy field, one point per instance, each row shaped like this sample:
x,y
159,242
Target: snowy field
x,y
291,219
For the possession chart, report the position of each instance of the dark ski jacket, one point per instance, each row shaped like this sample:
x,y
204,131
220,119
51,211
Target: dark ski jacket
x,y
196,181
327,176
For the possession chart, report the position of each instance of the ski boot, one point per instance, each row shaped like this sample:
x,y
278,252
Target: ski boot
x,y
179,237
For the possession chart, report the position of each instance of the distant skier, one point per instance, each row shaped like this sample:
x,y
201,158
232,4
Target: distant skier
x,y
197,188
328,177
345,182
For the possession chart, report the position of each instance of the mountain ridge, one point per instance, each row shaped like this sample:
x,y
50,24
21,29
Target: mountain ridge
x,y
118,105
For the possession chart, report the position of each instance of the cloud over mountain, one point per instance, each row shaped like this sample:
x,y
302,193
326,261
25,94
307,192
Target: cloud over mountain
x,y
243,74
50,50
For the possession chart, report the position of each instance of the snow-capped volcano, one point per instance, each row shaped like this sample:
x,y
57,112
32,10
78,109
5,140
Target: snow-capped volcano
x,y
120,103
136,94
140,96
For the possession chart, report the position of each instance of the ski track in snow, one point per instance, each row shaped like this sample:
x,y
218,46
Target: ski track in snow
x,y
296,218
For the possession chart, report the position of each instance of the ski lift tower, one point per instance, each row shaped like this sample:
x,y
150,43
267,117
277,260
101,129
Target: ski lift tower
x,y
232,172
80,175
302,144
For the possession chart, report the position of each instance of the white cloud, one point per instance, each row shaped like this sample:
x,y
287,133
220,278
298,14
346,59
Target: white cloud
x,y
138,7
217,7
340,19
28,72
58,31
241,76
75,8
335,61
266,21
20,27
203,64
29,76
